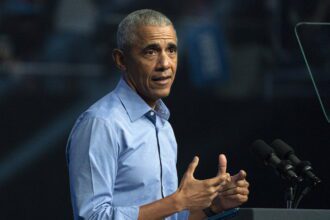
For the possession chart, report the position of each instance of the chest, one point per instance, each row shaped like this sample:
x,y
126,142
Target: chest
x,y
147,157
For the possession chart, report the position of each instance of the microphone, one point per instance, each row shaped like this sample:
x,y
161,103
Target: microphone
x,y
267,154
303,168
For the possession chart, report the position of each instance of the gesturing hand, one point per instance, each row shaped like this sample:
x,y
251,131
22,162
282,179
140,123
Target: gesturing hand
x,y
196,194
234,193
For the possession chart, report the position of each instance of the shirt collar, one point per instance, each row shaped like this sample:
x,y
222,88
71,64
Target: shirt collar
x,y
135,106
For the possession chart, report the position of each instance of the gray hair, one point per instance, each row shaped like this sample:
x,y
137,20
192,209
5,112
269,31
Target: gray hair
x,y
144,17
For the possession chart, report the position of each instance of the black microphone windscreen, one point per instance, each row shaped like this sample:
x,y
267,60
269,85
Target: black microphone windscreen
x,y
261,149
281,148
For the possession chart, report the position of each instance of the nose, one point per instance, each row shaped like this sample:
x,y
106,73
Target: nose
x,y
163,61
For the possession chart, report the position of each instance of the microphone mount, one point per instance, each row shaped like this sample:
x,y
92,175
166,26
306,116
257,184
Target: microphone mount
x,y
298,174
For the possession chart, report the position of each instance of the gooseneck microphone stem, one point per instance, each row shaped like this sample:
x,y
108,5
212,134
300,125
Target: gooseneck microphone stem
x,y
289,197
302,195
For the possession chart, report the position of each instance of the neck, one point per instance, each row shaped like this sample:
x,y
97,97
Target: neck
x,y
150,102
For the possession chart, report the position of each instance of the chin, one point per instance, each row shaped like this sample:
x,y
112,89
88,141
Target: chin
x,y
162,94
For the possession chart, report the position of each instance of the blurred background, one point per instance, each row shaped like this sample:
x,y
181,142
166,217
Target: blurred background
x,y
241,77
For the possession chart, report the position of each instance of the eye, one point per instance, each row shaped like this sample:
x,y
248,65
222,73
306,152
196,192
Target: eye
x,y
150,52
172,50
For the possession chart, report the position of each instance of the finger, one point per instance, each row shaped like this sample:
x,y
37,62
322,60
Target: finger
x,y
234,191
228,186
241,175
218,188
192,167
238,197
242,183
214,195
222,169
218,180
233,185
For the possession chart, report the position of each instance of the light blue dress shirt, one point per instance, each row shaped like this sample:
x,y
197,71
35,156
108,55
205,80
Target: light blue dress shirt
x,y
121,154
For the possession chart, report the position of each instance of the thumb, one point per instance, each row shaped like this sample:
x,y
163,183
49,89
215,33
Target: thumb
x,y
241,175
192,167
222,169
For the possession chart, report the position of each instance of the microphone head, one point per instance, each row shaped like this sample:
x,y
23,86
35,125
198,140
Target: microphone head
x,y
282,149
267,154
261,149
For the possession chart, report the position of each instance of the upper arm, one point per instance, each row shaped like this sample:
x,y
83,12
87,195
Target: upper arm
x,y
92,156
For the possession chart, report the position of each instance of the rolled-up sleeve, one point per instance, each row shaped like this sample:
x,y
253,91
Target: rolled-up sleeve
x,y
184,215
92,155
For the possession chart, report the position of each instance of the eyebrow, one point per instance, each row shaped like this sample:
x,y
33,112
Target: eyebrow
x,y
152,46
172,45
157,47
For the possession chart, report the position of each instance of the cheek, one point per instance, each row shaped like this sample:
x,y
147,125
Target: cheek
x,y
145,70
143,76
174,64
145,64
141,70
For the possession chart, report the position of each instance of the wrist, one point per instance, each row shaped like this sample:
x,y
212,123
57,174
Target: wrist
x,y
178,201
212,210
216,206
209,212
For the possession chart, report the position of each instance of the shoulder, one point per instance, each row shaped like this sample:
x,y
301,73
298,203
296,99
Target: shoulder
x,y
97,128
107,108
107,111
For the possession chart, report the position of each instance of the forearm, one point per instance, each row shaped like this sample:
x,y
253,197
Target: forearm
x,y
161,208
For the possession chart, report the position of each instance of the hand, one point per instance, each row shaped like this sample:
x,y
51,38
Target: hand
x,y
234,193
194,194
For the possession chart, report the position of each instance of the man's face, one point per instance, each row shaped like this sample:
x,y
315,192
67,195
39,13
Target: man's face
x,y
152,61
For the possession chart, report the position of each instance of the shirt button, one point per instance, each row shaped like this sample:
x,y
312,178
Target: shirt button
x,y
152,113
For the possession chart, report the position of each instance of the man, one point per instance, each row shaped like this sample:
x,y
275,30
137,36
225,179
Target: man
x,y
122,150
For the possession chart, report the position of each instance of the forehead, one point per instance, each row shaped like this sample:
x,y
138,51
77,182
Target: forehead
x,y
155,34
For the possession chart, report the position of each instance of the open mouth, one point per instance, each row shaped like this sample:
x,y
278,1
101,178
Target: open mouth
x,y
160,78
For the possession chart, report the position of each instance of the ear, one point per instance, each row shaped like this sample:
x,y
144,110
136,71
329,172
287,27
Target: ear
x,y
119,59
